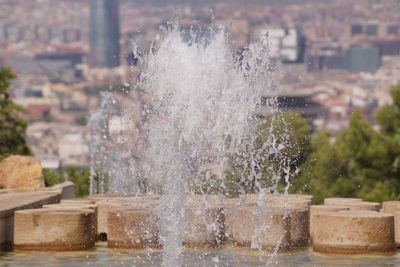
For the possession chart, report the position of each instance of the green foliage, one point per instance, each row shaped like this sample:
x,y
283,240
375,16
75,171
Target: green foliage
x,y
80,178
360,162
81,120
52,178
208,183
292,139
12,126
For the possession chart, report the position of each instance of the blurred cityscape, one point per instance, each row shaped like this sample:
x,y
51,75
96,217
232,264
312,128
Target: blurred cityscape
x,y
334,57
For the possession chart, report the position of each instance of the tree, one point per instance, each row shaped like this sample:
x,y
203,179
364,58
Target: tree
x,y
388,117
81,120
12,125
52,178
281,145
80,178
358,163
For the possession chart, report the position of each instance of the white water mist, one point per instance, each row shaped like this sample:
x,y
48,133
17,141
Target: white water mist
x,y
202,103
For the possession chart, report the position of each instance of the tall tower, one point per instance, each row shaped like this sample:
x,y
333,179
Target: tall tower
x,y
104,33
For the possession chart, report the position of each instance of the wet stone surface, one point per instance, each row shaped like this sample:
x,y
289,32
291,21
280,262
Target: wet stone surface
x,y
103,256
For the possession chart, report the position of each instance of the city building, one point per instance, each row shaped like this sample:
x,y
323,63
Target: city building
x,y
357,58
393,30
285,44
363,58
371,29
104,34
356,29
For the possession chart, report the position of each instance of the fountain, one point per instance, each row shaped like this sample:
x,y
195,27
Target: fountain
x,y
186,171
198,101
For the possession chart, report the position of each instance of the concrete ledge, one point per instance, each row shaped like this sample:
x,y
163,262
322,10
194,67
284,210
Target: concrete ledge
x,y
104,206
112,197
391,206
135,228
77,206
204,226
244,221
280,199
11,202
353,232
363,206
54,230
318,209
67,189
299,227
298,202
340,200
77,201
397,228
261,227
68,206
353,204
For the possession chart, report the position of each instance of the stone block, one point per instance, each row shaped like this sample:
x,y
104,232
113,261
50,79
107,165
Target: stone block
x,y
54,229
11,202
205,200
353,204
353,232
135,228
299,227
204,226
279,200
77,201
340,200
20,172
112,197
6,233
77,206
263,227
67,189
291,201
397,228
363,205
69,206
105,206
391,206
317,209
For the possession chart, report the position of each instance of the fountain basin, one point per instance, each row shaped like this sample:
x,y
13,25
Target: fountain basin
x,y
105,205
318,209
266,228
340,200
205,227
353,232
135,228
54,229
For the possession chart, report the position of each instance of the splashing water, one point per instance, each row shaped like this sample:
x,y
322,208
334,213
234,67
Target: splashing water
x,y
110,148
203,102
199,100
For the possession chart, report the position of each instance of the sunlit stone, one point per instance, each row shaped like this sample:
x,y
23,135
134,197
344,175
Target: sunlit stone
x,y
340,200
77,205
204,226
393,207
107,205
77,201
266,228
317,209
353,232
133,228
54,229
